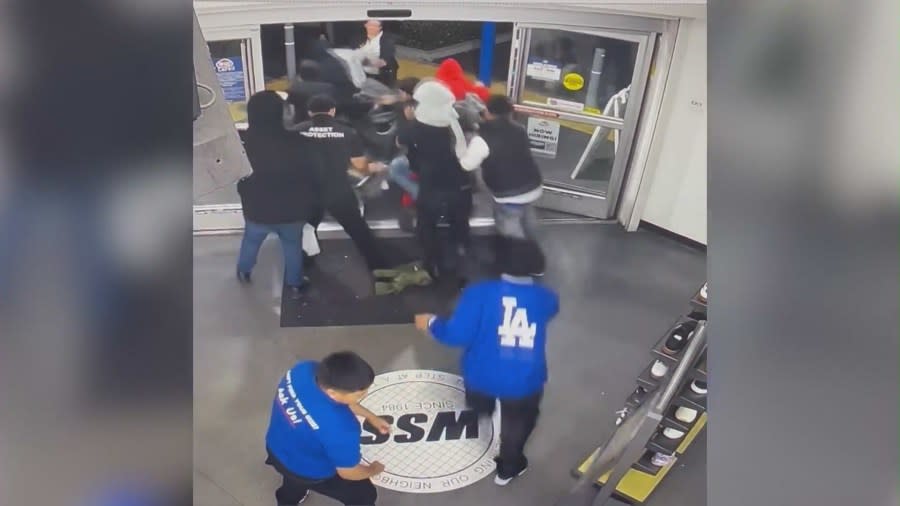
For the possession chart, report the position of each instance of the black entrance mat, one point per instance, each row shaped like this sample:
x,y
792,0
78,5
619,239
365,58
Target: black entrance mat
x,y
342,289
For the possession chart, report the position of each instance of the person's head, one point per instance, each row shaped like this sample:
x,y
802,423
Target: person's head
x,y
499,106
407,87
520,257
265,110
344,376
373,28
309,70
321,104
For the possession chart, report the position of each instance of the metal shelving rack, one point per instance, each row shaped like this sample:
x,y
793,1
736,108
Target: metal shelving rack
x,y
625,458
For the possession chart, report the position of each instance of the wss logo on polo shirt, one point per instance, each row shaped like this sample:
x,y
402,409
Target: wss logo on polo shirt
x,y
436,443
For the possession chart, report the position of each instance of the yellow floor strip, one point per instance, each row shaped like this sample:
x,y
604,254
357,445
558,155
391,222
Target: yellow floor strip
x,y
637,485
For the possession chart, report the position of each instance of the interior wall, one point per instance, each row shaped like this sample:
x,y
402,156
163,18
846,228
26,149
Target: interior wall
x,y
677,160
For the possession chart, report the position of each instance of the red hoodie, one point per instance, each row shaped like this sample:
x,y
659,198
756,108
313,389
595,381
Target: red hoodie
x,y
450,73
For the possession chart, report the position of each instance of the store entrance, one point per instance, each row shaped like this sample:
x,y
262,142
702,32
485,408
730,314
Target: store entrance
x,y
577,93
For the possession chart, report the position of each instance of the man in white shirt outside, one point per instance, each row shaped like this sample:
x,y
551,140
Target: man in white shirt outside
x,y
380,53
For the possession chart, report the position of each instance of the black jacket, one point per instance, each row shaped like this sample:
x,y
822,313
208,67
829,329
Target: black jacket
x,y
280,189
431,152
509,169
333,71
301,91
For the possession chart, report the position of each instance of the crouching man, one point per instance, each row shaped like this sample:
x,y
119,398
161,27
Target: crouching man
x,y
313,436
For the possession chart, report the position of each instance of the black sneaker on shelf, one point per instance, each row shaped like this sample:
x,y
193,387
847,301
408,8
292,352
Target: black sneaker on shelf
x,y
698,387
697,315
637,397
678,338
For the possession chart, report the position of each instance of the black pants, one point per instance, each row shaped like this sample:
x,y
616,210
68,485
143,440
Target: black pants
x,y
518,417
345,209
293,488
456,207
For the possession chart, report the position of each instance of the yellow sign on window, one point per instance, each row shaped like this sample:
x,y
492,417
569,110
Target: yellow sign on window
x,y
573,81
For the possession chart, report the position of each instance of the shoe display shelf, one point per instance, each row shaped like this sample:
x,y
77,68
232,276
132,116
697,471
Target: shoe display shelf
x,y
644,476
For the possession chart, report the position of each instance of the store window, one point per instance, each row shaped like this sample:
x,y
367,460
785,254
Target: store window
x,y
578,72
233,70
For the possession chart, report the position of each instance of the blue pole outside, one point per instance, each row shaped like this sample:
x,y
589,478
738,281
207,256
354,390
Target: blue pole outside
x,y
486,59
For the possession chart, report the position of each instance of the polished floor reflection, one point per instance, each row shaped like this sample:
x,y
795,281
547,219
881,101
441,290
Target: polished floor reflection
x,y
619,293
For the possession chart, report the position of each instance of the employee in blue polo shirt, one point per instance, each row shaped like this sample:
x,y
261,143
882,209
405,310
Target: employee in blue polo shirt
x,y
313,436
502,326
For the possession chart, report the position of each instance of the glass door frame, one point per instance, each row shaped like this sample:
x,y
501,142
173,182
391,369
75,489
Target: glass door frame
x,y
573,198
251,51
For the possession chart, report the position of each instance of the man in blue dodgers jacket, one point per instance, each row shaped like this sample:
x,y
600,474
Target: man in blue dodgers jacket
x,y
313,436
502,324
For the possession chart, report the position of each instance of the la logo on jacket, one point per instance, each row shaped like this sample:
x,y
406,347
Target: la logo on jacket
x,y
436,444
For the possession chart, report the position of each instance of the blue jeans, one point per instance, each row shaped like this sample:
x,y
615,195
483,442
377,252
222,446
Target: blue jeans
x,y
400,173
290,235
515,220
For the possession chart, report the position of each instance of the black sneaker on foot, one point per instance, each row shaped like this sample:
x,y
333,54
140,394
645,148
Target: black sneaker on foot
x,y
243,277
503,480
305,497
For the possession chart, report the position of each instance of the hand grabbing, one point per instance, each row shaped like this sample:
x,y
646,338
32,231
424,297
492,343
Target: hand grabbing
x,y
422,321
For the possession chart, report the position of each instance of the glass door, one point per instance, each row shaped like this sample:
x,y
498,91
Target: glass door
x,y
234,71
577,93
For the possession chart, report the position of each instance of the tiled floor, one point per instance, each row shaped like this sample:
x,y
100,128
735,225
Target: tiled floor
x,y
619,292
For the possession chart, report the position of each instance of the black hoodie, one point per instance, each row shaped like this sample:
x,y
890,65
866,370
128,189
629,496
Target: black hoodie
x,y
333,71
279,190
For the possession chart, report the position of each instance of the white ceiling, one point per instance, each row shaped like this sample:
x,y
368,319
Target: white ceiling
x,y
654,8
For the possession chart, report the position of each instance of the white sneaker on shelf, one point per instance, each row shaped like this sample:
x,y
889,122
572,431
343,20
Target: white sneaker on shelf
x,y
659,369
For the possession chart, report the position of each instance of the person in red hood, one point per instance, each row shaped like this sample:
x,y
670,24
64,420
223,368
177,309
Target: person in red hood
x,y
450,73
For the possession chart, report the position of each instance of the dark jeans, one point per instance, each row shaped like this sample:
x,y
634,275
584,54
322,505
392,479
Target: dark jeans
x,y
345,209
518,418
456,207
290,235
293,488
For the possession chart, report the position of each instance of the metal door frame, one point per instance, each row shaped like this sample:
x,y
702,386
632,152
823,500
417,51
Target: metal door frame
x,y
221,20
572,197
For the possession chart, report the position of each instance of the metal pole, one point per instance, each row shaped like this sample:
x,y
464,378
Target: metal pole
x,y
592,99
486,58
329,32
290,51
659,403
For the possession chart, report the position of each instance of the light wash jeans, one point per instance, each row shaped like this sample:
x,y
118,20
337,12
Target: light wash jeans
x,y
400,173
515,220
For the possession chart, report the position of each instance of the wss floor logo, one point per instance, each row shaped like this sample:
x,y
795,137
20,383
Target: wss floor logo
x,y
436,443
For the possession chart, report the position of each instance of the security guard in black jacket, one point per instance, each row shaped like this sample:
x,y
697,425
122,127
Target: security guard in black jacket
x,y
338,148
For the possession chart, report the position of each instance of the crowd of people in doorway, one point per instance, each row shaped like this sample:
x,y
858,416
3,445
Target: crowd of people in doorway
x,y
304,152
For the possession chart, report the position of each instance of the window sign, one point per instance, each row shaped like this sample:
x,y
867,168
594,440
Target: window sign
x,y
232,78
543,70
543,135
